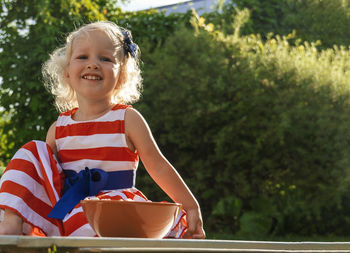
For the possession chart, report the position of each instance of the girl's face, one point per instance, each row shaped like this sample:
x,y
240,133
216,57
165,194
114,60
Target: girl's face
x,y
93,69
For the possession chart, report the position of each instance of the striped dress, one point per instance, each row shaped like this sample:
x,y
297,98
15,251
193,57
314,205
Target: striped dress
x,y
33,180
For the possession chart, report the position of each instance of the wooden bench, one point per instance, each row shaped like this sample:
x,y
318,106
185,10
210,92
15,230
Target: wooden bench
x,y
28,244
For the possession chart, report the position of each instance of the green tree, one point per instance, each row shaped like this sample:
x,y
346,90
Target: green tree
x,y
5,145
313,20
30,30
150,27
258,128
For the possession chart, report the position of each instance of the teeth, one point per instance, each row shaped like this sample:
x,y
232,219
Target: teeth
x,y
92,77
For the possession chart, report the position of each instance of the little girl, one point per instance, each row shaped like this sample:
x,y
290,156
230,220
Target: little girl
x,y
93,148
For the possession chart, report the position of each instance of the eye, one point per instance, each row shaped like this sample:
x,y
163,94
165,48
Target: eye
x,y
106,59
82,57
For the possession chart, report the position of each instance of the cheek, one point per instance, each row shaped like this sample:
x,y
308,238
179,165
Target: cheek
x,y
73,71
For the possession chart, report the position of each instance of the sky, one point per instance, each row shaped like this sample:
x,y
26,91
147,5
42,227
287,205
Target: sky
x,y
134,5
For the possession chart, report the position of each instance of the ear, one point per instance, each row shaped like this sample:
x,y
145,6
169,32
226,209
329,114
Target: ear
x,y
66,75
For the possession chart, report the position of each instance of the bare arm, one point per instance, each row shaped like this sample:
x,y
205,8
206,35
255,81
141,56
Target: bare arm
x,y
50,138
162,172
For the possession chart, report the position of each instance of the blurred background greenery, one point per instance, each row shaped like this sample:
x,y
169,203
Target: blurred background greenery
x,y
250,103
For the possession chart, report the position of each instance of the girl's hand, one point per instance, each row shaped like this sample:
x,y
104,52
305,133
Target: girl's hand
x,y
195,225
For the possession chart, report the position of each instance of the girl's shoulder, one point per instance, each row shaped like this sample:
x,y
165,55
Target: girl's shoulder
x,y
134,121
68,113
121,106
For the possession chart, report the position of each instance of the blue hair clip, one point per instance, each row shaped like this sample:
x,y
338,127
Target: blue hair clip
x,y
129,46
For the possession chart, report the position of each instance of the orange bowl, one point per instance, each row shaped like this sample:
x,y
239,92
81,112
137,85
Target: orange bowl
x,y
115,218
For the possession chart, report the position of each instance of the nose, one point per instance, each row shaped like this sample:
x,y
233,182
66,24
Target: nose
x,y
92,64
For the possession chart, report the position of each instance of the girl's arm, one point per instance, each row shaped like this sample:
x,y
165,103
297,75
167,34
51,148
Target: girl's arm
x,y
50,138
162,172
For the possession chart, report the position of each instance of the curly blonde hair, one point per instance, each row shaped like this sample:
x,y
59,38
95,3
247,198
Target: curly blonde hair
x,y
53,69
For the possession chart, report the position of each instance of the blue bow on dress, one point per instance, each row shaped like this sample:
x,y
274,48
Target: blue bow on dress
x,y
89,182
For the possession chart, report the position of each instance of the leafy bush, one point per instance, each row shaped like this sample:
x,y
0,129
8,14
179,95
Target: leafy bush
x,y
327,21
150,26
5,144
258,128
313,20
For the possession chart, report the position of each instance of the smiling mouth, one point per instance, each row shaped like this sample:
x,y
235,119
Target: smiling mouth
x,y
90,77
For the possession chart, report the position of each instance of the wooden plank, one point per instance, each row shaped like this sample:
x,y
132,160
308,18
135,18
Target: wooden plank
x,y
104,244
14,249
200,250
157,250
26,241
9,240
172,243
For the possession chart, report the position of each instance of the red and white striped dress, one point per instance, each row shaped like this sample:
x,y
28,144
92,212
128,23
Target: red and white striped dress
x,y
33,180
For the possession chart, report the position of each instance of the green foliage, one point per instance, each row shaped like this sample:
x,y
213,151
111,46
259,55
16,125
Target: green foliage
x,y
258,128
150,26
5,144
327,21
30,30
265,15
313,20
2,169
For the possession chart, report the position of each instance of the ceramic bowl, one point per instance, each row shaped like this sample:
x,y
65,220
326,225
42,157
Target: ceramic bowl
x,y
115,218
